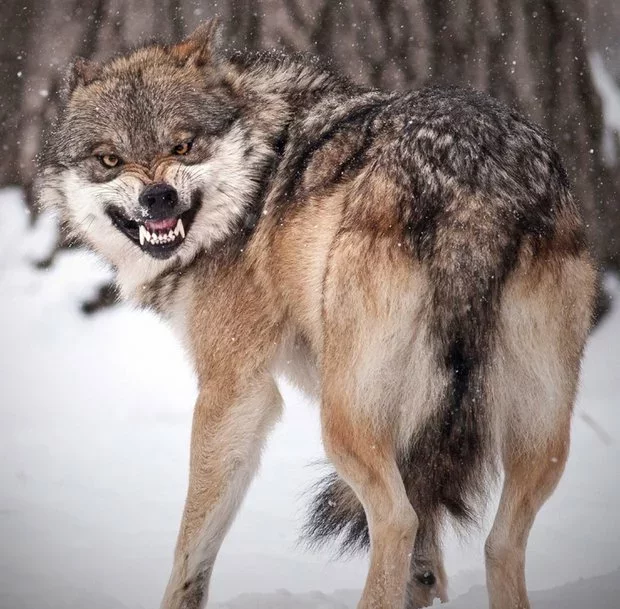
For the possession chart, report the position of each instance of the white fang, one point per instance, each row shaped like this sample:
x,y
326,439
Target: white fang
x,y
144,234
180,230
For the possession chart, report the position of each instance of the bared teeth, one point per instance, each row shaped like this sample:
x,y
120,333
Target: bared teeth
x,y
144,234
156,238
180,230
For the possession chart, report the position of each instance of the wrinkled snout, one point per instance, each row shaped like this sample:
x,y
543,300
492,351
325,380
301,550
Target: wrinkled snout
x,y
160,201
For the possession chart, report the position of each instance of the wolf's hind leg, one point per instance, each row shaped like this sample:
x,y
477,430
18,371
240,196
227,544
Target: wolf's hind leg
x,y
371,401
366,460
530,478
228,433
532,384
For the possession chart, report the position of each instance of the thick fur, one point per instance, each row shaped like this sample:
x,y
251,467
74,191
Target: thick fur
x,y
486,186
414,259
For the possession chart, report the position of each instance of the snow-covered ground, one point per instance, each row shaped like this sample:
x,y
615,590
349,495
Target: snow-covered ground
x,y
94,427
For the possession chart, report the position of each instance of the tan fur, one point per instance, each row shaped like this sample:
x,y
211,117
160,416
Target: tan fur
x,y
360,401
300,255
365,459
544,325
351,303
531,475
238,404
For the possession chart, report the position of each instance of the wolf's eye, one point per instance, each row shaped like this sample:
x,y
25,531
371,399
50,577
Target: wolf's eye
x,y
181,149
109,160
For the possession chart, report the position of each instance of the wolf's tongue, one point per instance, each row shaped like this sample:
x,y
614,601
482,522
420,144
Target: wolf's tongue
x,y
165,224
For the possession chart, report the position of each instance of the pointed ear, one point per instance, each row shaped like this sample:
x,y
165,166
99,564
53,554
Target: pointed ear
x,y
83,72
201,46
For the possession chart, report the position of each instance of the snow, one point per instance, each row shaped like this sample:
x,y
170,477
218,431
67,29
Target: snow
x,y
94,428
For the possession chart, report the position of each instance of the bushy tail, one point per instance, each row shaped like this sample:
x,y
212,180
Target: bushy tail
x,y
445,468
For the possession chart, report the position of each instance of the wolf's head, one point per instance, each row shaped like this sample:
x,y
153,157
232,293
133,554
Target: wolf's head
x,y
154,157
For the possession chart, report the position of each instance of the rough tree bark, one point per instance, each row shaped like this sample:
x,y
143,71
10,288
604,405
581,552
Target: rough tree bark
x,y
530,53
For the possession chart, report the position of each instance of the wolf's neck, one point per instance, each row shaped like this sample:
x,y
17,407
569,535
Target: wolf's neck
x,y
299,106
293,84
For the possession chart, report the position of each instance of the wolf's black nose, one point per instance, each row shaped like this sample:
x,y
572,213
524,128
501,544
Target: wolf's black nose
x,y
159,199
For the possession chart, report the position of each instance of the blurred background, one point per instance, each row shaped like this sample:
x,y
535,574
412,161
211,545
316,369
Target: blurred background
x,y
553,59
95,410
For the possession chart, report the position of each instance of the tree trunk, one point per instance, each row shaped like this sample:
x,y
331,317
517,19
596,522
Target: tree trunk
x,y
15,18
604,32
529,53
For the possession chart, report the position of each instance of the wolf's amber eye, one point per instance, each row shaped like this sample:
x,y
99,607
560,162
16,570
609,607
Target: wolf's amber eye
x,y
181,149
109,160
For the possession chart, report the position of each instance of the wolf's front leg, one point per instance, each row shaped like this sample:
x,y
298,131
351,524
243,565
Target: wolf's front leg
x,y
228,431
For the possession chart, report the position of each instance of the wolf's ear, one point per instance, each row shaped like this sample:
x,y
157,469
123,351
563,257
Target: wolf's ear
x,y
201,46
83,72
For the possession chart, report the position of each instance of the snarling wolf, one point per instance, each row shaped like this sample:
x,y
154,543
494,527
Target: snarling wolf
x,y
414,259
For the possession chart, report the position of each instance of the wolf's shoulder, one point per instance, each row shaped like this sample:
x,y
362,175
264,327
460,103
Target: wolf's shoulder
x,y
455,130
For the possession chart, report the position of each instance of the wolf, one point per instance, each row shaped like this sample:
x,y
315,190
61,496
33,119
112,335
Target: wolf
x,y
413,259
